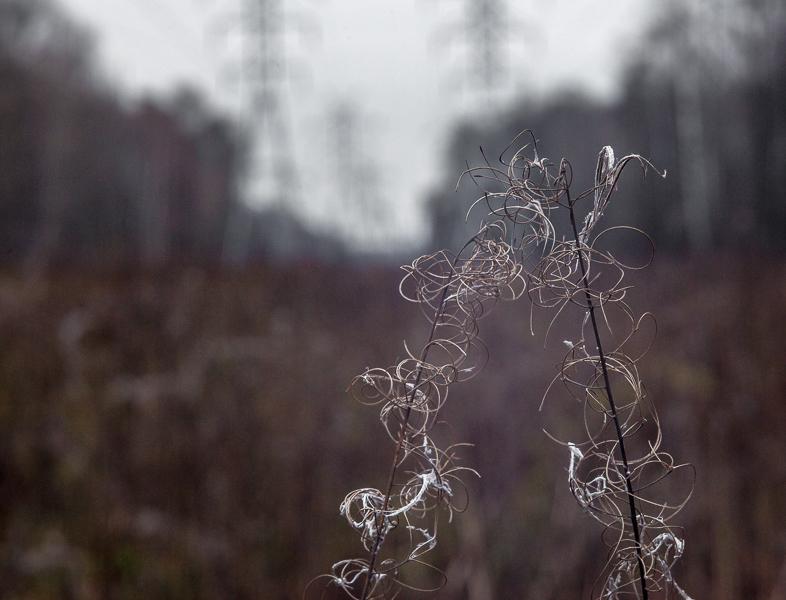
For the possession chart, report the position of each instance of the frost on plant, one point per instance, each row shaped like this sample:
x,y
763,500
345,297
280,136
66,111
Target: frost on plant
x,y
618,462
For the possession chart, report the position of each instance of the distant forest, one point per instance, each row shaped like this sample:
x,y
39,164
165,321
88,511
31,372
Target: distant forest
x,y
704,100
86,179
83,179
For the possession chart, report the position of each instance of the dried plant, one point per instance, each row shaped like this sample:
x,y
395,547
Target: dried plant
x,y
615,473
457,290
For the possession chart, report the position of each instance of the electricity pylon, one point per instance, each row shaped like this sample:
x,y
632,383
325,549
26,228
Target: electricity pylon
x,y
486,30
485,27
270,177
356,174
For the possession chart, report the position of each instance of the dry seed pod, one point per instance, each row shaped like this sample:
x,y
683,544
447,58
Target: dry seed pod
x,y
614,472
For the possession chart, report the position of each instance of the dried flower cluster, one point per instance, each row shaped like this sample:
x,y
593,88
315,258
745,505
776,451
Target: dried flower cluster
x,y
614,472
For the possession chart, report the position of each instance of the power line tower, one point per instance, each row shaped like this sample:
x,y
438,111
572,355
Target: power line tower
x,y
485,31
356,174
270,177
485,25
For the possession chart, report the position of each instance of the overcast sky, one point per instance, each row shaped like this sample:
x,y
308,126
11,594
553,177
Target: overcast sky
x,y
400,62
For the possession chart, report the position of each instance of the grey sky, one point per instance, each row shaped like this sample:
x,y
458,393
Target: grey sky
x,y
390,57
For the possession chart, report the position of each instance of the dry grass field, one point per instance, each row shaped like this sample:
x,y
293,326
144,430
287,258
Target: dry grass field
x,y
187,433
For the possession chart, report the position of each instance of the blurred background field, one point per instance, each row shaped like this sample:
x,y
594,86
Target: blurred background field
x,y
187,290
185,433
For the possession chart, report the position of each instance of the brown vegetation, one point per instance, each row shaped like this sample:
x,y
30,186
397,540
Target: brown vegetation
x,y
186,434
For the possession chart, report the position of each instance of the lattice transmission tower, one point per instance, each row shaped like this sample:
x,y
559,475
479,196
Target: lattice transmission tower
x,y
356,174
485,32
270,177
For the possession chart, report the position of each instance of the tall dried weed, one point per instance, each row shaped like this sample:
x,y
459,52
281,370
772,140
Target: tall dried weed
x,y
532,244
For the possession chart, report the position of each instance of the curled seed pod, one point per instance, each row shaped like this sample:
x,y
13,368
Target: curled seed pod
x,y
612,470
615,471
455,291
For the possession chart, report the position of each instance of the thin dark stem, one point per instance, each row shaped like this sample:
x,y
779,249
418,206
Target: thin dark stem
x,y
612,406
402,436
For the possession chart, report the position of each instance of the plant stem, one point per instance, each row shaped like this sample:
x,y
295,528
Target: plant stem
x,y
402,436
612,406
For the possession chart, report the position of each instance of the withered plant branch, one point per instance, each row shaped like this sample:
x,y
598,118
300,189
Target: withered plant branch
x,y
380,516
605,476
607,384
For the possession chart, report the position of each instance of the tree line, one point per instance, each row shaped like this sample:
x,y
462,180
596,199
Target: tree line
x,y
87,179
704,100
